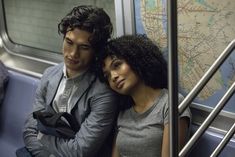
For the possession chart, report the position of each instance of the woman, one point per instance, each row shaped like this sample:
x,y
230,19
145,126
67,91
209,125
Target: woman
x,y
134,66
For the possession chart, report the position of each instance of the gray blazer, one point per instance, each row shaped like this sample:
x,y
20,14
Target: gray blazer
x,y
95,112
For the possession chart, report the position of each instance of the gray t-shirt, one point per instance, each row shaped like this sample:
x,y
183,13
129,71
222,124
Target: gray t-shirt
x,y
140,135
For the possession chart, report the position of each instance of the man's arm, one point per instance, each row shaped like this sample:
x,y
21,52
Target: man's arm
x,y
30,131
93,132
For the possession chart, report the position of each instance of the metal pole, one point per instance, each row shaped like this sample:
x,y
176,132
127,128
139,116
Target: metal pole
x,y
208,120
225,140
173,75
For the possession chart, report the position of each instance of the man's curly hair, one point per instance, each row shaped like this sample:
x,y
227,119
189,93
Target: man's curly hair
x,y
91,19
142,55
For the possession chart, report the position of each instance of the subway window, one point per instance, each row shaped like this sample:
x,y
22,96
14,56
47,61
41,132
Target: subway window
x,y
33,23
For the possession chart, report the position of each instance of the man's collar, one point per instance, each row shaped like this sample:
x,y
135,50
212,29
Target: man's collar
x,y
74,77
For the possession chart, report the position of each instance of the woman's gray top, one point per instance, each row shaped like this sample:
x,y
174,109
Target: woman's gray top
x,y
140,135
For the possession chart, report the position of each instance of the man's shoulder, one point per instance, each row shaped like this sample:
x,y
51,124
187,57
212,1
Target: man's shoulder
x,y
54,69
100,86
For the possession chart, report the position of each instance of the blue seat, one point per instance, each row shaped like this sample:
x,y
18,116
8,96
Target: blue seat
x,y
207,144
16,106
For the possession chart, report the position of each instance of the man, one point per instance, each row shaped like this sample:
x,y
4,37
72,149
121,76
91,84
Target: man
x,y
72,87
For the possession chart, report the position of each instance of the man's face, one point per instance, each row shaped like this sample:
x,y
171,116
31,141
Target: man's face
x,y
77,51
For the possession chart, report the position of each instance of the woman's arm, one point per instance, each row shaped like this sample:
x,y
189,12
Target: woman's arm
x,y
183,130
166,142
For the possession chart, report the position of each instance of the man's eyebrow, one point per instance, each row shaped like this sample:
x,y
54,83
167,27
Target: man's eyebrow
x,y
84,44
67,38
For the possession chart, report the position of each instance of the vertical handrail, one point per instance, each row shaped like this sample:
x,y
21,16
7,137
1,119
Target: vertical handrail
x,y
173,75
206,77
225,140
173,85
208,120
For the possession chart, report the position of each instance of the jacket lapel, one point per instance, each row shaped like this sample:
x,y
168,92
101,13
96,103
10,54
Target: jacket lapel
x,y
83,84
53,84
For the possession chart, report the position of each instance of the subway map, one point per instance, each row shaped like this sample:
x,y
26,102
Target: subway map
x,y
205,28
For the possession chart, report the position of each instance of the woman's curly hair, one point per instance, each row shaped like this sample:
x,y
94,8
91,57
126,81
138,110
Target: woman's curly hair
x,y
91,19
142,55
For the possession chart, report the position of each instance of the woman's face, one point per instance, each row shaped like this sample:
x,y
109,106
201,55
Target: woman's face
x,y
120,76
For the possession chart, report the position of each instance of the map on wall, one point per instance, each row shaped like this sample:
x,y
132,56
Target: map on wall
x,y
205,28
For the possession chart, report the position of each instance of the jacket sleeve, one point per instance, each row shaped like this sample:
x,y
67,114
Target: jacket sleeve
x,y
93,132
30,130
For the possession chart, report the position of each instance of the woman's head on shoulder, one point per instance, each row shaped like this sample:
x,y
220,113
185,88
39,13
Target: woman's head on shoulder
x,y
133,56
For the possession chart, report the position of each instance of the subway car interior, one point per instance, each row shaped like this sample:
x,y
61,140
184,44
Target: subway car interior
x,y
30,43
